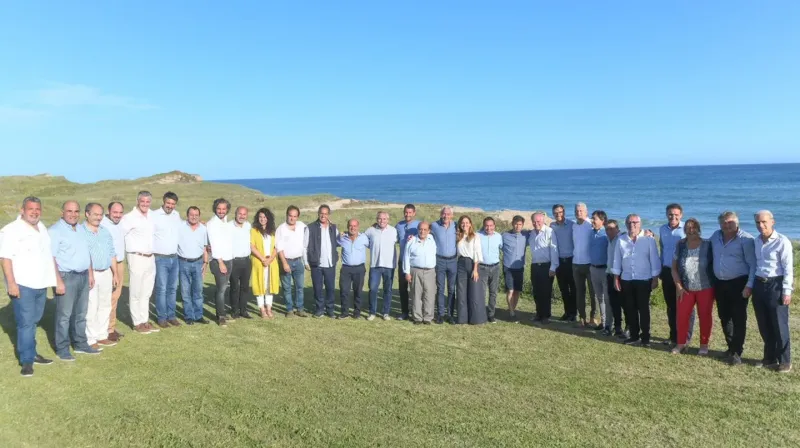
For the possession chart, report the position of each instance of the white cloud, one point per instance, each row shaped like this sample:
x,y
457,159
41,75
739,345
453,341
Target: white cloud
x,y
67,95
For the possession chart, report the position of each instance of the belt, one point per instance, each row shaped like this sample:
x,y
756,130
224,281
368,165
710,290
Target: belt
x,y
74,272
768,279
166,256
489,265
190,260
101,270
353,265
241,258
446,258
564,258
422,269
540,264
294,259
140,254
600,266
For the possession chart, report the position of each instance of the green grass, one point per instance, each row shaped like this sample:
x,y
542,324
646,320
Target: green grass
x,y
319,382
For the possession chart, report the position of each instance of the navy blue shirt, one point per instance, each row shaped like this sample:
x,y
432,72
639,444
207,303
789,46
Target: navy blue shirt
x,y
598,247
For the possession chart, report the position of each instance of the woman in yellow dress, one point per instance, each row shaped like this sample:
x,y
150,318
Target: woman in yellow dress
x,y
264,278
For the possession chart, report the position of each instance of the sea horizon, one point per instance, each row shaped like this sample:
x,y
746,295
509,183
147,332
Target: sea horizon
x,y
704,191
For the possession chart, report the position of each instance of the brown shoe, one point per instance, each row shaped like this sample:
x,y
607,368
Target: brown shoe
x,y
151,327
163,324
174,322
97,347
142,329
117,334
113,338
784,367
106,343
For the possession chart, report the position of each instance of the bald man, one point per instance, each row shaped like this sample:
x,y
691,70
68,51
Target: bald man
x,y
240,267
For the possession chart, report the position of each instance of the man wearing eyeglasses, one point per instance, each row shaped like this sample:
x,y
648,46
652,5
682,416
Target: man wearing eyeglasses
x,y
636,270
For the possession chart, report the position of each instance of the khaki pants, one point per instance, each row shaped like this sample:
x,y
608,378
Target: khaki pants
x,y
423,293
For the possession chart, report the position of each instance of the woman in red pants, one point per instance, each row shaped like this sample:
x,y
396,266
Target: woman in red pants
x,y
693,273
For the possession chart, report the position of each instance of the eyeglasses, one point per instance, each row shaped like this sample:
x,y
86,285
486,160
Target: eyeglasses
x,y
634,222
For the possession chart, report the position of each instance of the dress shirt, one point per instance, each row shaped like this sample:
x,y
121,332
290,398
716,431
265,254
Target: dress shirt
x,y
514,245
101,247
774,258
192,242
736,258
470,248
116,235
325,251
354,252
491,246
636,260
30,253
445,238
667,239
138,229
611,249
165,234
564,238
240,237
292,243
598,247
69,247
404,229
420,254
581,240
382,247
220,238
544,247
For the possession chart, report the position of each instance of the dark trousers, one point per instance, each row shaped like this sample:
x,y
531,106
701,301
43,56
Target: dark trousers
x,y
403,286
617,304
351,277
566,284
377,274
490,277
222,282
240,285
542,288
470,296
28,310
637,300
773,320
732,312
323,277
71,308
446,271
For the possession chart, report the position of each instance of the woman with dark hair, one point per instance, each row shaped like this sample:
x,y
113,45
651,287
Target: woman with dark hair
x,y
469,290
693,273
264,277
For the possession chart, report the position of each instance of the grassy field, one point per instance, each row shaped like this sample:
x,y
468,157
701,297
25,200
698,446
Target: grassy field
x,y
321,382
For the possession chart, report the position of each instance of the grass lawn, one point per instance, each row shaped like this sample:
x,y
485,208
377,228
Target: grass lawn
x,y
321,382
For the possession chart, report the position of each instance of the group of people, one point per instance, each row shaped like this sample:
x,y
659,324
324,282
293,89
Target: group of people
x,y
444,270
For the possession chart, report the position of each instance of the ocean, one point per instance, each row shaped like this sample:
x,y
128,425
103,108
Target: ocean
x,y
703,191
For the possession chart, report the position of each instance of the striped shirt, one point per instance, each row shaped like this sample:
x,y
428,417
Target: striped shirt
x,y
101,247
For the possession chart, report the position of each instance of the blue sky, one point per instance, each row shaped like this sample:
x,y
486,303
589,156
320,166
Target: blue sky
x,y
96,89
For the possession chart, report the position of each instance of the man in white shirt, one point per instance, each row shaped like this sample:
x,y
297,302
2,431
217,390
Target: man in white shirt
x,y
240,266
581,264
615,297
291,242
419,261
29,270
636,270
111,223
220,239
383,256
544,265
166,224
772,292
137,228
489,269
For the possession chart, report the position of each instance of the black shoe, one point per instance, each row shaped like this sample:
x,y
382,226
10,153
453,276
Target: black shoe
x,y
572,319
223,322
245,316
564,317
439,320
766,364
300,313
41,360
416,322
645,343
735,360
426,322
27,370
631,341
599,327
402,317
189,322
343,317
492,320
317,316
202,321
357,315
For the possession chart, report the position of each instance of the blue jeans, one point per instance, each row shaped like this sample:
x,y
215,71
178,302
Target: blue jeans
x,y
192,289
71,308
28,310
298,277
446,271
166,287
375,276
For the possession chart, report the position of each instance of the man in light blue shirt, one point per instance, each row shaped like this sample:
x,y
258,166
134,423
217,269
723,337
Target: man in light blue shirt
x,y
566,281
106,277
489,269
192,263
668,236
382,250
772,292
598,251
405,228
444,232
515,242
73,261
419,261
735,270
354,256
544,265
166,226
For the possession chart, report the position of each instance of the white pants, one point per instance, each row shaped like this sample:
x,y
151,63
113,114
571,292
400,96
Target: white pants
x,y
266,299
99,310
142,278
